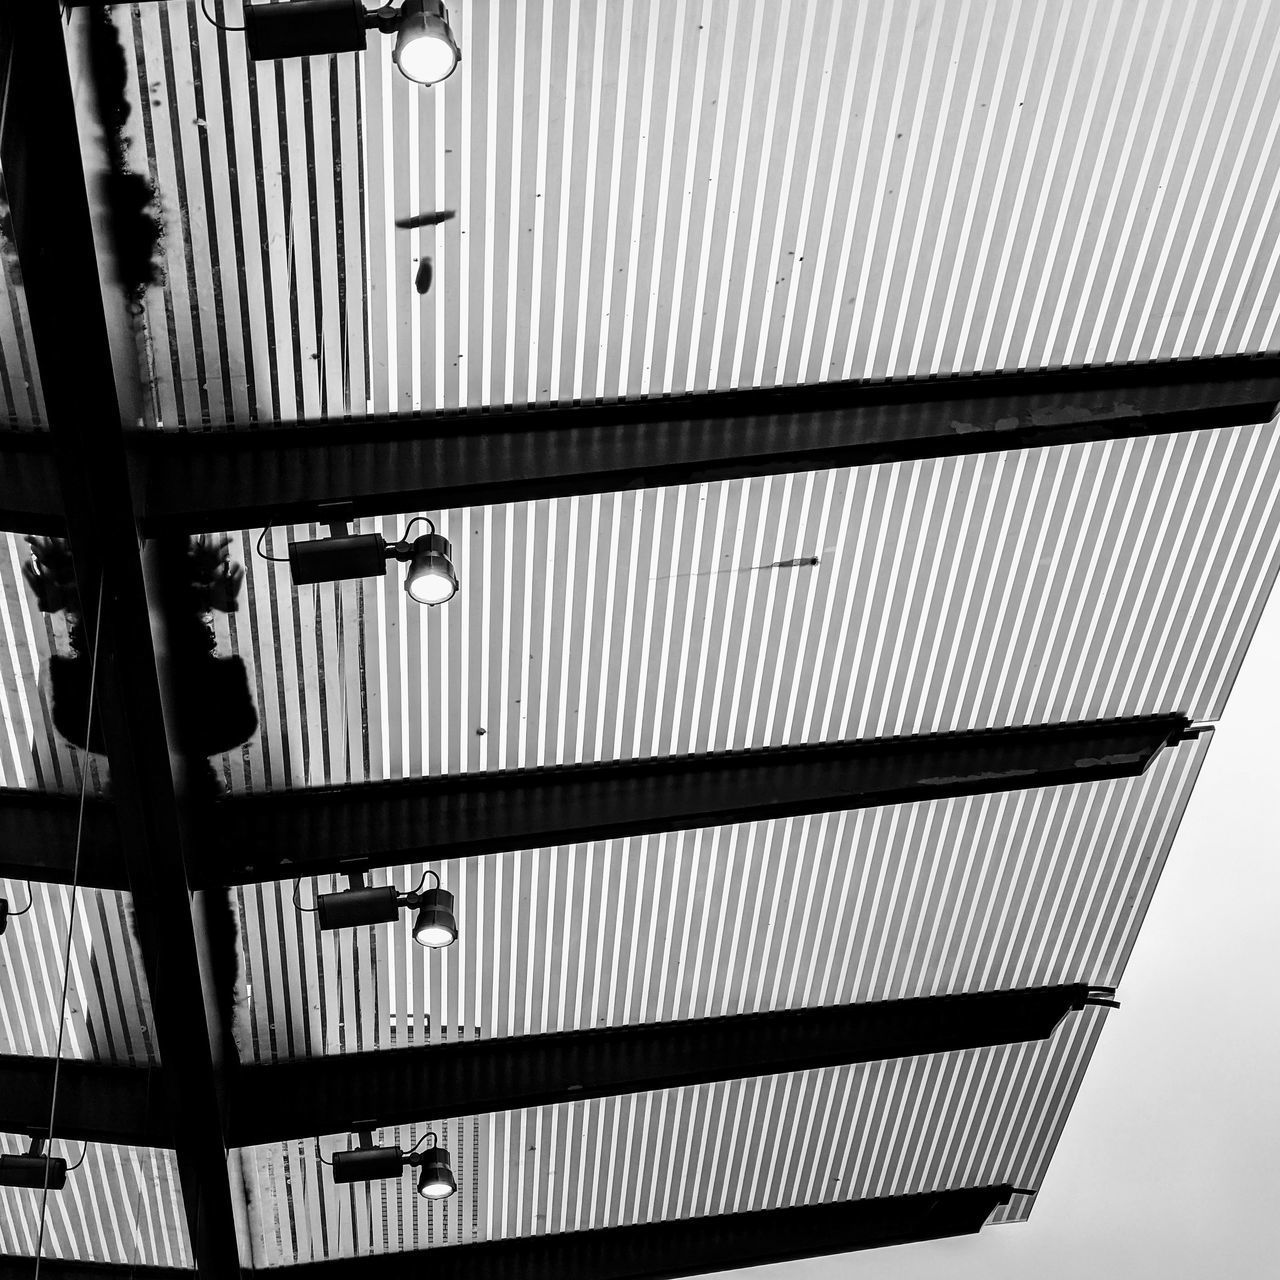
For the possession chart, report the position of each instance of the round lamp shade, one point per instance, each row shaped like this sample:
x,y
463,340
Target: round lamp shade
x,y
430,577
425,48
436,1181
436,925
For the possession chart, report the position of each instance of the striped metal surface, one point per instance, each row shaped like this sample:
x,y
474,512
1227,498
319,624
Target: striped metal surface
x,y
108,1012
948,594
21,402
951,1120
988,893
122,1205
32,754
706,194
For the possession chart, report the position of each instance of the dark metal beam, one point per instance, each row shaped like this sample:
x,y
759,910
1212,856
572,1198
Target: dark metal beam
x,y
97,1102
38,839
53,234
16,1267
30,500
310,1097
310,831
685,1246
313,831
313,1096
241,479
653,1251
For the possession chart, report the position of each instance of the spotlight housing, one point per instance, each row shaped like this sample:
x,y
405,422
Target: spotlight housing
x,y
425,50
366,1163
4,915
35,1170
436,1181
435,925
430,578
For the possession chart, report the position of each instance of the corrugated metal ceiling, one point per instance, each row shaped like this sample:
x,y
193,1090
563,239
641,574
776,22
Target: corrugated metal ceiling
x,y
707,194
122,1205
949,594
986,893
975,1118
699,195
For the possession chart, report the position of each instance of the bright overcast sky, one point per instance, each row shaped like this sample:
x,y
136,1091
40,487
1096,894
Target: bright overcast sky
x,y
1169,1165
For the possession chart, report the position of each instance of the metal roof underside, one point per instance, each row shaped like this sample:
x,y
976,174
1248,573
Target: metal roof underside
x,y
701,196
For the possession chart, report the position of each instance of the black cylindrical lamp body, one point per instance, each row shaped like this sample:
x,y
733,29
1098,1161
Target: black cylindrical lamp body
x,y
302,28
360,555
30,1171
367,1164
354,907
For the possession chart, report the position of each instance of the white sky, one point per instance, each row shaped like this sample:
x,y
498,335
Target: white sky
x,y
1169,1165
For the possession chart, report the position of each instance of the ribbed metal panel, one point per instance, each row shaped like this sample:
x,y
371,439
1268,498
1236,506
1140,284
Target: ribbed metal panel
x,y
706,194
948,1121
21,403
1058,584
108,1010
123,1205
32,754
988,893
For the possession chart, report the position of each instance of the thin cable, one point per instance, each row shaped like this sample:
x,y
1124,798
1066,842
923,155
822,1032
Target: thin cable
x,y
222,26
430,1133
84,1151
296,903
71,922
404,537
320,1155
418,887
274,559
13,915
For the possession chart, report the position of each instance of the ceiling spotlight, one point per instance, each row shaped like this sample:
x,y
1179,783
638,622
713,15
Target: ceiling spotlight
x,y
35,1170
436,1181
435,926
429,579
367,1162
425,50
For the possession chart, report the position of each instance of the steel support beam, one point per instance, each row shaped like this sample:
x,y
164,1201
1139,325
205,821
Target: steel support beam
x,y
685,1246
38,839
313,831
53,233
653,1251
16,1267
313,1096
30,499
243,479
310,1097
97,1102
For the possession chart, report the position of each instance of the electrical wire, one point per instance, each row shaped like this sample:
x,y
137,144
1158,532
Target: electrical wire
x,y
84,1151
428,872
222,26
13,915
404,537
296,903
274,559
320,1155
71,916
430,1133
